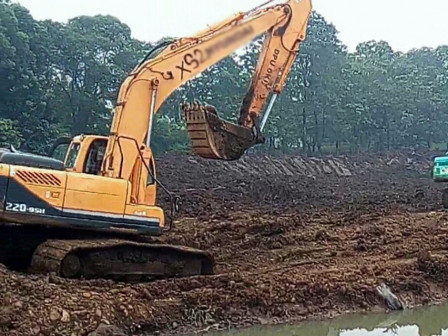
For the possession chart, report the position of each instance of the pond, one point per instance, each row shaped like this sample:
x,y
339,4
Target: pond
x,y
428,321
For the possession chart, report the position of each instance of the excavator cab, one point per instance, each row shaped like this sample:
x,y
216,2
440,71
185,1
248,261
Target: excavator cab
x,y
215,138
83,153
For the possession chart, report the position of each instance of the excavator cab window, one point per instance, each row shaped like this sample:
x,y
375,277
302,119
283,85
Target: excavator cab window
x,y
72,155
95,157
60,152
60,148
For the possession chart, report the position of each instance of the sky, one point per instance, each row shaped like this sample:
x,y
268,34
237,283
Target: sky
x,y
404,24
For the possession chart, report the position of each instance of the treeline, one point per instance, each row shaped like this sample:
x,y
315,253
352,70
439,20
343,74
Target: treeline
x,y
63,79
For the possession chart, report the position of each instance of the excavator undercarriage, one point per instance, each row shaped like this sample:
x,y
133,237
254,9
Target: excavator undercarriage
x,y
73,254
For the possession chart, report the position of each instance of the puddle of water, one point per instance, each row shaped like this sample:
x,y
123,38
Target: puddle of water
x,y
429,321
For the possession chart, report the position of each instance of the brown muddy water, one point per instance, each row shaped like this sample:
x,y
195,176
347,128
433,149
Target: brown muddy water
x,y
428,321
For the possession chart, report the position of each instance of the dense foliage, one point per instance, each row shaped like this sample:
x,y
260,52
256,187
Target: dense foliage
x,y
62,79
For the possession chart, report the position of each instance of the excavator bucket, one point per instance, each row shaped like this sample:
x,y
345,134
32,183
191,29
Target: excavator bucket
x,y
214,138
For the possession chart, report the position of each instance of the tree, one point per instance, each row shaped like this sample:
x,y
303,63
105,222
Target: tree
x,y
63,79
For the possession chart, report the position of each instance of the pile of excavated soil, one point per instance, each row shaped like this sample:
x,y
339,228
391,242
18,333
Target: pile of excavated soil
x,y
293,238
215,189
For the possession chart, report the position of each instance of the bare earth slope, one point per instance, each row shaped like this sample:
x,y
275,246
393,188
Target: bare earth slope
x,y
294,238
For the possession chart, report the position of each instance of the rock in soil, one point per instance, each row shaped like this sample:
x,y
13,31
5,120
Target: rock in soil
x,y
391,300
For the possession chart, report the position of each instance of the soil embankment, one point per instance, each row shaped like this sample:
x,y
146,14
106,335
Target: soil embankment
x,y
293,237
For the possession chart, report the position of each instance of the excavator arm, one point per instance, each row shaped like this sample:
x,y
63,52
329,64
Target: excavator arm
x,y
175,63
217,139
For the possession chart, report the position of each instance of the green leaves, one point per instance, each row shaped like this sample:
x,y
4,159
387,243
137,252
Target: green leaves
x,y
63,79
9,133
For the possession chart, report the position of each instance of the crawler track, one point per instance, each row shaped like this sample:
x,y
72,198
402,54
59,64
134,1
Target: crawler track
x,y
113,258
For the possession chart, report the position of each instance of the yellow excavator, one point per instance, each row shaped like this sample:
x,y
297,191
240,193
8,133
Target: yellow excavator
x,y
94,214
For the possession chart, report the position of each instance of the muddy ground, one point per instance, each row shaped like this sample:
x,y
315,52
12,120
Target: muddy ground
x,y
294,238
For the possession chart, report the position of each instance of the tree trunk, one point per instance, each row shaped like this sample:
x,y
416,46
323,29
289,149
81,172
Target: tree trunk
x,y
316,132
304,139
387,131
322,136
429,132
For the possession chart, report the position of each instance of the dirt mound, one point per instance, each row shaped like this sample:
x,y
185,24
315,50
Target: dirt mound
x,y
293,238
215,189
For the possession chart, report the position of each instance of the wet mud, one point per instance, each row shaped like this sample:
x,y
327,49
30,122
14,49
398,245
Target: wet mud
x,y
294,238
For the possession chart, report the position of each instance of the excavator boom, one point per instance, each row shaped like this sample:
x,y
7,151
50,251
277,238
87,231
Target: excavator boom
x,y
151,83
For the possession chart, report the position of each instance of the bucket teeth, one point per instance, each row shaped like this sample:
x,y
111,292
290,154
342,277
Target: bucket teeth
x,y
198,106
185,106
